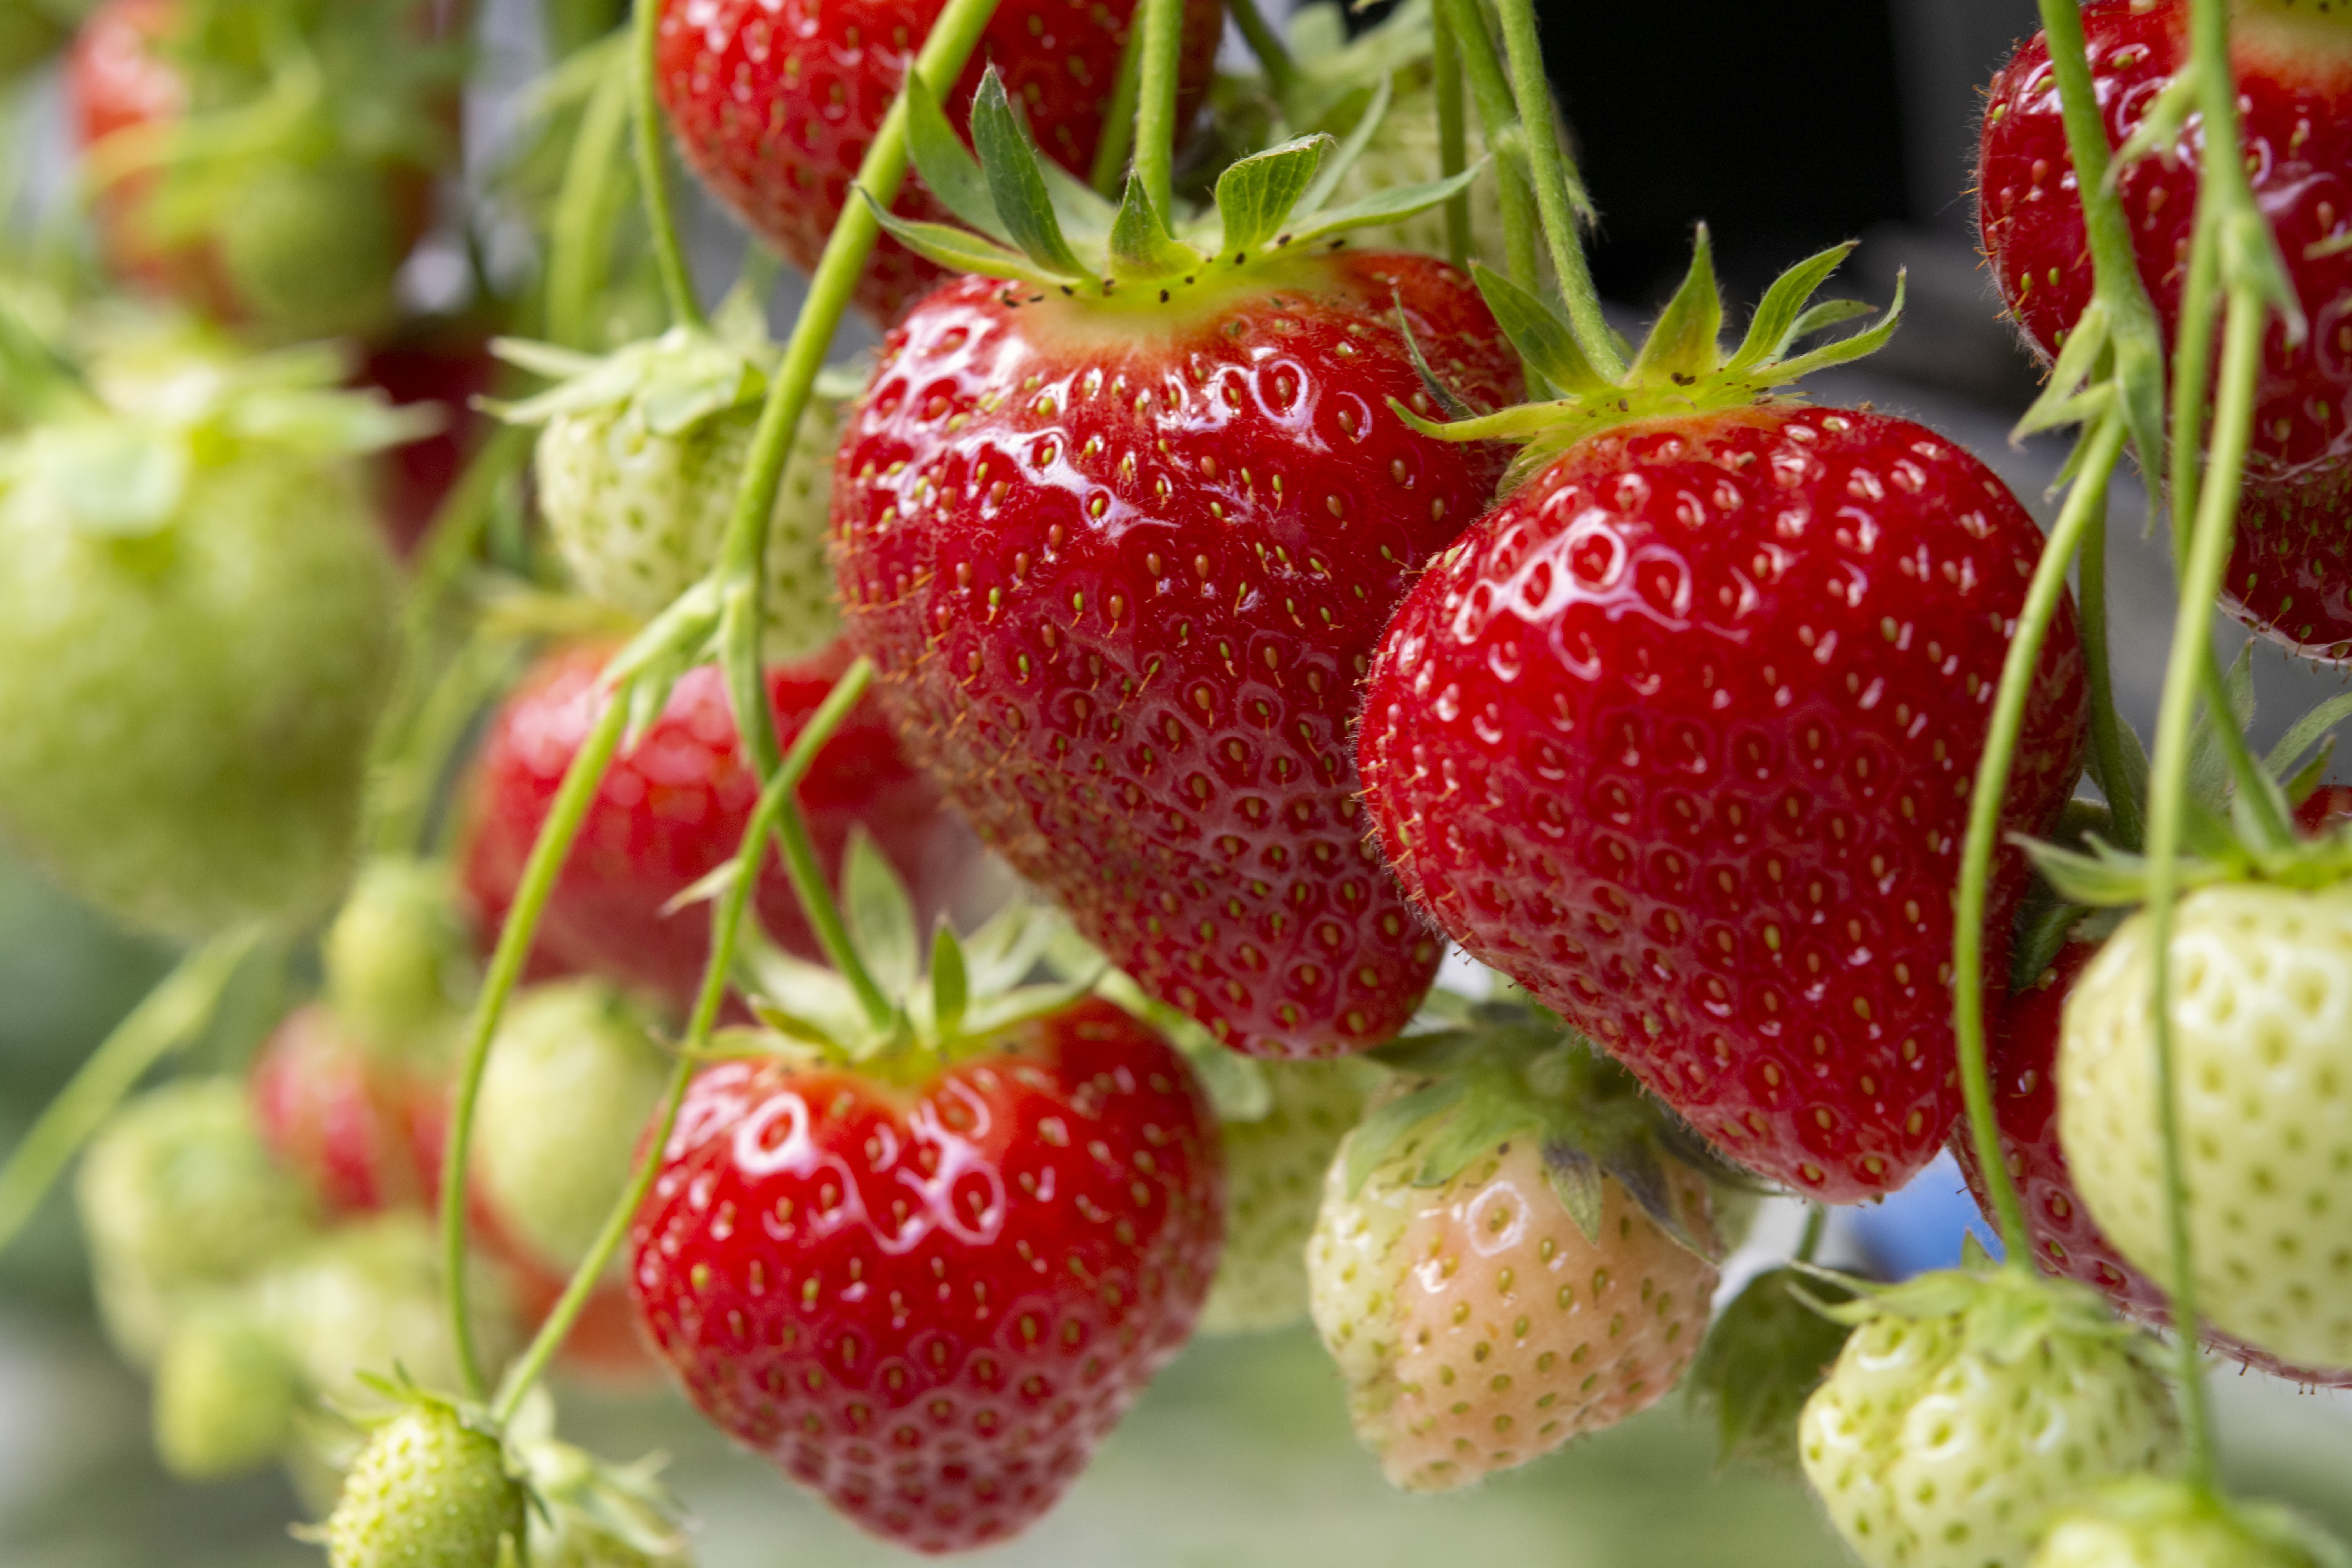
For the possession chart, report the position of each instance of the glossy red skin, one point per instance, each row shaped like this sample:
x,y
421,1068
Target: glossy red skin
x,y
1129,657
359,1131
930,1303
674,806
773,104
449,368
2067,1242
1680,737
2291,576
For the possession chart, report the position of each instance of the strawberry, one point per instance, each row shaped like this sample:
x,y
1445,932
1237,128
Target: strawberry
x,y
2262,1056
1119,560
672,808
225,1395
273,169
1504,1259
2151,1523
196,628
2067,1241
178,1201
1275,1166
355,1125
2290,577
574,1074
1967,1408
1679,736
925,1267
640,455
430,1489
774,103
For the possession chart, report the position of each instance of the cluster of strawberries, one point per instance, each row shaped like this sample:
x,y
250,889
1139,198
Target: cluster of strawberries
x,y
1282,603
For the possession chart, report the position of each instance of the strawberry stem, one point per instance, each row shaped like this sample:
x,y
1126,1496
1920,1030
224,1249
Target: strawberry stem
x,y
1559,189
1498,117
2125,821
2083,513
569,810
1155,109
776,803
170,1015
1273,54
1453,135
579,232
817,903
1110,169
1809,1242
653,179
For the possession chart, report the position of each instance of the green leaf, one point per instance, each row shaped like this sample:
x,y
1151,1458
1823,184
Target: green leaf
x,y
960,250
1764,1356
1381,207
1780,316
1538,331
1256,194
950,987
1239,1089
946,164
1682,345
1377,1137
1023,203
2133,786
1141,245
881,917
2209,761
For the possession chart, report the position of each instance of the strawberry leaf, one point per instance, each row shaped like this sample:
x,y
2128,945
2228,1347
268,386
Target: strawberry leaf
x,y
960,250
1539,332
1141,245
946,164
1384,207
1256,194
950,987
1576,1181
1781,317
1682,346
1022,204
1767,1353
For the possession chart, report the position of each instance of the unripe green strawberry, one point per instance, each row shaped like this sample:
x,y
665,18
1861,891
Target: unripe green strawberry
x,y
1505,1256
313,249
366,1297
573,1076
196,626
1966,1409
639,460
2263,1047
430,1489
398,957
225,1395
179,1199
1275,1169
2151,1523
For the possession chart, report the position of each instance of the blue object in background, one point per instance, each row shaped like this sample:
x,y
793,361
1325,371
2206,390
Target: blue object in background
x,y
1920,1228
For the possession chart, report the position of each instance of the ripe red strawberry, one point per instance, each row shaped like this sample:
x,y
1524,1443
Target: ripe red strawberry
x,y
358,1127
2066,1240
929,1288
1680,737
774,103
672,808
2291,576
446,367
1121,565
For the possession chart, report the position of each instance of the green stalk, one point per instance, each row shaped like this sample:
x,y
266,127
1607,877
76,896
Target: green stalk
x,y
1155,109
1498,117
952,41
2192,363
1110,171
726,929
569,809
652,179
2124,823
578,249
572,25
1817,1225
2103,446
1273,54
1558,190
1452,133
174,1013
2200,583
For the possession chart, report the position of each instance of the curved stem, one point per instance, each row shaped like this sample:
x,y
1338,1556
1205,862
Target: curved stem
x,y
2208,555
1155,108
586,205
2124,822
1273,54
569,810
1118,139
1559,190
2085,503
726,929
1453,135
652,179
179,1007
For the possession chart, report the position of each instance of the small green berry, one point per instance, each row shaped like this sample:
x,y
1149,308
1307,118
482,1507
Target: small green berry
x,y
428,1491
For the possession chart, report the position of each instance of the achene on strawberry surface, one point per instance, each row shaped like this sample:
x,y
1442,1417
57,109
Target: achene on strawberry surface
x,y
1680,735
1120,537
2291,574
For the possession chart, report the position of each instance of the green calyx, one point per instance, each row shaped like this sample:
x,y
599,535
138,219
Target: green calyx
x,y
1510,1071
2003,1314
1681,369
1032,222
2152,1522
936,1005
585,1510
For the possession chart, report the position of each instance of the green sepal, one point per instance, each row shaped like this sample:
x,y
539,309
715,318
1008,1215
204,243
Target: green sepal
x,y
951,980
2004,1314
948,170
1140,246
1538,330
1352,147
1684,344
1023,205
676,381
960,250
1781,316
1764,1354
1256,194
880,916
1381,207
574,1492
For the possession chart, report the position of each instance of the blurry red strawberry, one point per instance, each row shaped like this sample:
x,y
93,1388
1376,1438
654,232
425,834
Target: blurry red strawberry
x,y
774,103
445,366
361,1130
672,808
